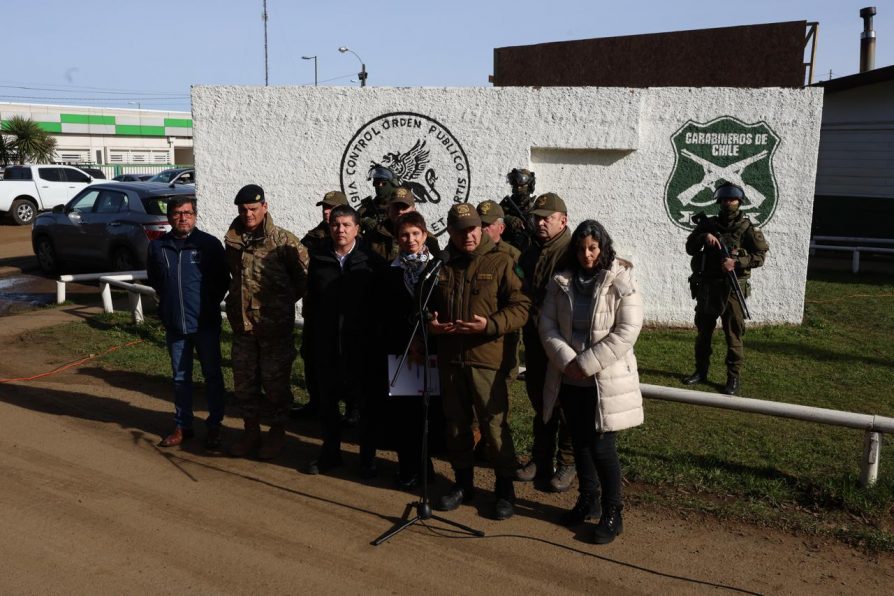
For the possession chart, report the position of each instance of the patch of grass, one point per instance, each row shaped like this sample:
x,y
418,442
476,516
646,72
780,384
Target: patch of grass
x,y
768,471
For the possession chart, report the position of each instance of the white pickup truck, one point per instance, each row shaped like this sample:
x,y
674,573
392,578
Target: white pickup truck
x,y
25,190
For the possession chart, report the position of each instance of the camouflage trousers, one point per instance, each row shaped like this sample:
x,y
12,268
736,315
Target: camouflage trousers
x,y
262,373
470,392
714,299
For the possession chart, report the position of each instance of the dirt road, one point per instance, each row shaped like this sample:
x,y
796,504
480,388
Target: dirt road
x,y
89,504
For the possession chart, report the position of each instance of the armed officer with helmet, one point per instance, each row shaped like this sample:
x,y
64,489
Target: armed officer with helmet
x,y
712,285
373,209
517,206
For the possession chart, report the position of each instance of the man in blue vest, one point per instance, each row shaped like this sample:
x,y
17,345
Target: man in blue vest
x,y
187,269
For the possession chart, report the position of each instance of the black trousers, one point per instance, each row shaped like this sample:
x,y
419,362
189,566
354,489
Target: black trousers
x,y
595,453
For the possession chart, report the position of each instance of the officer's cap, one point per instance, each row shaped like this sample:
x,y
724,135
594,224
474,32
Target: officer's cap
x,y
462,216
547,204
402,195
490,211
250,193
334,198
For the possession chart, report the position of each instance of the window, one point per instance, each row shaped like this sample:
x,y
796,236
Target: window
x,y
73,175
17,173
111,201
51,174
84,202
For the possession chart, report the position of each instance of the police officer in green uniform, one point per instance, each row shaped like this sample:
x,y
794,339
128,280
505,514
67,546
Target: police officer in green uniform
x,y
372,208
711,285
517,206
381,239
312,241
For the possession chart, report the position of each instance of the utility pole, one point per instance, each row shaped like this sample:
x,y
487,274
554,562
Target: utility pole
x,y
266,71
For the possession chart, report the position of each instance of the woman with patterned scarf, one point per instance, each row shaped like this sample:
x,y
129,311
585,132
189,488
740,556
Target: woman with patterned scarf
x,y
397,307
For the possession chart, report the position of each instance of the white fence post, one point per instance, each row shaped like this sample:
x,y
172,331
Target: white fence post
x,y
872,445
135,301
106,289
60,292
855,262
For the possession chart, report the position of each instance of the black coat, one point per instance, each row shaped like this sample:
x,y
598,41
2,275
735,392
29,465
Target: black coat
x,y
339,311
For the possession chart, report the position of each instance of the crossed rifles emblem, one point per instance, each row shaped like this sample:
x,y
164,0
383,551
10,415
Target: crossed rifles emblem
x,y
714,173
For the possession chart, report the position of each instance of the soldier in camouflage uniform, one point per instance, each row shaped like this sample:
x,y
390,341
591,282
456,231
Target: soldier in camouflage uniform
x,y
517,207
381,239
268,269
711,285
372,209
312,241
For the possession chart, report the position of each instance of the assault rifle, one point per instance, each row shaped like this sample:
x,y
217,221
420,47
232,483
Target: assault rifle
x,y
526,220
702,219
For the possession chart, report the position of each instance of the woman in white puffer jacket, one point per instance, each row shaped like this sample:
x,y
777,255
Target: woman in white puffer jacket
x,y
591,317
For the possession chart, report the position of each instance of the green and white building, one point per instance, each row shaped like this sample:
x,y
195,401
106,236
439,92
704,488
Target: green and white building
x,y
116,139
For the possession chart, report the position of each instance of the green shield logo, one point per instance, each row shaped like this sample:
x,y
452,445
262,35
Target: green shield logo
x,y
724,150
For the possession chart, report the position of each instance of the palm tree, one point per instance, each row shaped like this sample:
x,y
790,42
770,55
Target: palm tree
x,y
30,142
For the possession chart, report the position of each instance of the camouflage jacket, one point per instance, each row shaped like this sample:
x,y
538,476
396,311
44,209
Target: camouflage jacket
x,y
315,238
484,283
268,275
746,243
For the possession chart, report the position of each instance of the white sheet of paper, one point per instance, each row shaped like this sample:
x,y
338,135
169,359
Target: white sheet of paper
x,y
411,380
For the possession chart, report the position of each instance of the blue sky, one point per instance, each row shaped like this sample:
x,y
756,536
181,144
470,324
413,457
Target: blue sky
x,y
124,53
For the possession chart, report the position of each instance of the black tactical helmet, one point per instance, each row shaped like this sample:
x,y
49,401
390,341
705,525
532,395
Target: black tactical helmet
x,y
378,172
518,177
728,190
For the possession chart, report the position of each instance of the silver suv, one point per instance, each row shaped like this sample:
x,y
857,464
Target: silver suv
x,y
106,226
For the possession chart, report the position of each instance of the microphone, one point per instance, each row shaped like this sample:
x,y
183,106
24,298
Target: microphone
x,y
430,272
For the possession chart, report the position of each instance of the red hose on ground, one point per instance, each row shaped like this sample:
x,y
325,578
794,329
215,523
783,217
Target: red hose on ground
x,y
72,364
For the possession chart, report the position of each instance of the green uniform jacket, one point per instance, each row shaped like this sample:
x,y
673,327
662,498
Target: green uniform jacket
x,y
382,242
745,242
268,275
313,239
538,264
482,283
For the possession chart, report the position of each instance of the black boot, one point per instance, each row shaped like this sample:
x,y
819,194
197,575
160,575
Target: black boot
x,y
504,508
610,525
462,491
732,385
699,376
587,507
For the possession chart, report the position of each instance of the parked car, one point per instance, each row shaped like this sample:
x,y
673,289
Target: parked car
x,y
176,176
132,177
106,225
25,190
94,173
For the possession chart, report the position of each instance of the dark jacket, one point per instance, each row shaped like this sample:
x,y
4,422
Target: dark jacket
x,y
339,309
482,283
538,263
190,279
314,238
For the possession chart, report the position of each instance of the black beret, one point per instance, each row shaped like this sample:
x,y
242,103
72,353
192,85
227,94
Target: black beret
x,y
250,193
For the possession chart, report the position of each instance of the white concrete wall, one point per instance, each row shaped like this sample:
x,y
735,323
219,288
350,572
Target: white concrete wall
x,y
606,151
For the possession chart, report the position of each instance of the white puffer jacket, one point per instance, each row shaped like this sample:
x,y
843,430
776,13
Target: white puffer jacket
x,y
616,321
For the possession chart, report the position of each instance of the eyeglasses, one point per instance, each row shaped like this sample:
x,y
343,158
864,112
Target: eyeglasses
x,y
176,214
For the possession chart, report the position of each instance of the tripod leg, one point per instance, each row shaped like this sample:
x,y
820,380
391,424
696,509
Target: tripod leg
x,y
396,529
450,522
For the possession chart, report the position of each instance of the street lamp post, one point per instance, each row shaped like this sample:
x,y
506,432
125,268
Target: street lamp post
x,y
362,74
139,115
314,58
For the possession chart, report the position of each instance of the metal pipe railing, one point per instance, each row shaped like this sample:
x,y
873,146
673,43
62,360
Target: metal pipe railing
x,y
872,425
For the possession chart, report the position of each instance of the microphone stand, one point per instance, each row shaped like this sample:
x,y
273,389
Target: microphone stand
x,y
423,506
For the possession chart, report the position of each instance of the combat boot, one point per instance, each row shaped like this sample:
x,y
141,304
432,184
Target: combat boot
x,y
462,491
273,442
563,478
504,508
610,525
732,385
250,439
